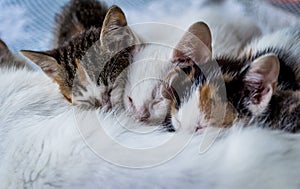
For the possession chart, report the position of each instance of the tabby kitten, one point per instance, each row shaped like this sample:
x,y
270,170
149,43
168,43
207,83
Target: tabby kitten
x,y
78,16
8,59
242,89
88,68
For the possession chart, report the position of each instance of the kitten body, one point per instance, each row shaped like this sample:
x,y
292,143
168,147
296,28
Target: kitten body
x,y
282,112
77,16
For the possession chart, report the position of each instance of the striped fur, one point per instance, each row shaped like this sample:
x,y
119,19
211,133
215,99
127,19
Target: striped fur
x,y
76,17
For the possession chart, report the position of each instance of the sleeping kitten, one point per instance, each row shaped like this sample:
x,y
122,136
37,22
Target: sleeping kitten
x,y
8,59
78,16
88,68
144,99
250,86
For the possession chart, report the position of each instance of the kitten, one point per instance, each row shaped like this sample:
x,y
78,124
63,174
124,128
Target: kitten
x,y
144,99
77,16
89,68
250,86
8,59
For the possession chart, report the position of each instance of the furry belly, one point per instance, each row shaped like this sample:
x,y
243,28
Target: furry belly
x,y
65,148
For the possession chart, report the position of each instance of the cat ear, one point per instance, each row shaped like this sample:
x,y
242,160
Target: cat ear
x,y
45,61
114,19
4,50
3,46
261,80
115,34
194,46
50,66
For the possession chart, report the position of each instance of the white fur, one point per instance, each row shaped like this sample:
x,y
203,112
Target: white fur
x,y
189,116
46,150
146,73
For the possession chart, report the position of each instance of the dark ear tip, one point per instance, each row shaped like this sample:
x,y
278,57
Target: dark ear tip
x,y
3,44
199,24
114,9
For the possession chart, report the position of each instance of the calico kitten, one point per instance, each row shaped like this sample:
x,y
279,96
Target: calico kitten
x,y
250,86
89,68
8,59
78,16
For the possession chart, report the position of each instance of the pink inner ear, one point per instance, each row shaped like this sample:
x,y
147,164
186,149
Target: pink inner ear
x,y
194,46
258,96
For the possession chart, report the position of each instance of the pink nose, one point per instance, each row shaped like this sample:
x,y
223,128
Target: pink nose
x,y
143,114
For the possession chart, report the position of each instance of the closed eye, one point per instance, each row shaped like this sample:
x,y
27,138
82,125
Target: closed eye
x,y
155,102
130,99
131,103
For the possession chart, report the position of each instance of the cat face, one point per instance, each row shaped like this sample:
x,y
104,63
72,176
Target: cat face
x,y
88,68
142,96
219,94
198,99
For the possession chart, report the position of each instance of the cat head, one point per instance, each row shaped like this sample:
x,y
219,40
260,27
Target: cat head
x,y
196,96
204,93
88,66
253,87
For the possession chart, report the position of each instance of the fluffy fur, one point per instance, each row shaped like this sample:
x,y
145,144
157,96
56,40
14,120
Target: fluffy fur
x,y
50,152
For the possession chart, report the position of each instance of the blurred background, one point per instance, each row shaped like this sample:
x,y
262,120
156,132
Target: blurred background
x,y
28,24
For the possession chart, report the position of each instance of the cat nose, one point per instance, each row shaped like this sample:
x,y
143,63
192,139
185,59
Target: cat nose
x,y
144,114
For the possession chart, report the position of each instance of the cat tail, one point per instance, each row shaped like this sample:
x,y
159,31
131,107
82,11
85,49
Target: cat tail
x,y
77,16
9,60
